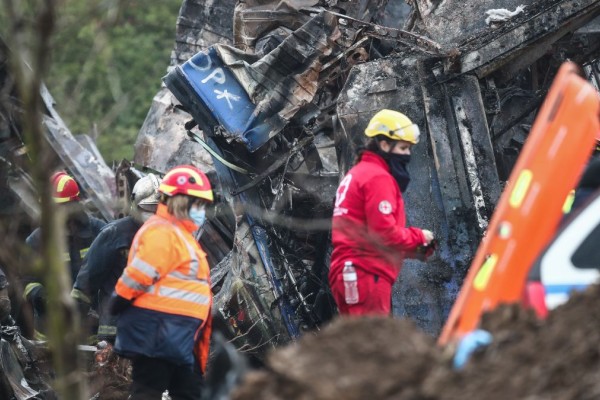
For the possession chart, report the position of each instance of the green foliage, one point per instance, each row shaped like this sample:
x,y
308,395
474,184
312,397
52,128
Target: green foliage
x,y
109,57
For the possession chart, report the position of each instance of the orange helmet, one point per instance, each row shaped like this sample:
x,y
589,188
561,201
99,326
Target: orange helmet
x,y
64,188
188,180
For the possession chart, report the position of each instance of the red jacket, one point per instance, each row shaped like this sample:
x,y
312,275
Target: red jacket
x,y
369,224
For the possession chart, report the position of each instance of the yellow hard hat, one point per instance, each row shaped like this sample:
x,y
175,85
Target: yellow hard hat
x,y
394,125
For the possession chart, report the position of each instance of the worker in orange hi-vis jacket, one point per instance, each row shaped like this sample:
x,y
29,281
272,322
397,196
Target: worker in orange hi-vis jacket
x,y
164,297
369,235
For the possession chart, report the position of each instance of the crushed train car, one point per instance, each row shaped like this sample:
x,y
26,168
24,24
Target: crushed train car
x,y
272,98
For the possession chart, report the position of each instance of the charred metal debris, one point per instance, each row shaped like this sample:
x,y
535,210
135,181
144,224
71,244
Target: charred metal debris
x,y
281,112
271,99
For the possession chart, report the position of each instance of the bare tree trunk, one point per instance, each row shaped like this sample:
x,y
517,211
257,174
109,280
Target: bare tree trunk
x,y
29,52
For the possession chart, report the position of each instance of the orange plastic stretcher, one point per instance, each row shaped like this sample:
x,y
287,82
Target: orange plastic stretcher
x,y
530,207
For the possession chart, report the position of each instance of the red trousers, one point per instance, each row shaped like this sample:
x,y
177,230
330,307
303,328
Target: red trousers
x,y
374,295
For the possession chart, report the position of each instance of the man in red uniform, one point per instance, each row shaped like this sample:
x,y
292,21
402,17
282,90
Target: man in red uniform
x,y
369,223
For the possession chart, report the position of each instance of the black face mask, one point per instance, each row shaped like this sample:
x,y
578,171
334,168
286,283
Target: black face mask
x,y
398,163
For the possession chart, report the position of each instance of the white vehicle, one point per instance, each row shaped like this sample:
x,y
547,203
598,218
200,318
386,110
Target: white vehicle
x,y
572,260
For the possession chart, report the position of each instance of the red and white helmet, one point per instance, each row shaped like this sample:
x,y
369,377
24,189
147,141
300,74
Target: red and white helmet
x,y
188,180
64,188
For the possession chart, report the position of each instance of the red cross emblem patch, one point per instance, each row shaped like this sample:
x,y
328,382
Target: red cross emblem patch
x,y
385,207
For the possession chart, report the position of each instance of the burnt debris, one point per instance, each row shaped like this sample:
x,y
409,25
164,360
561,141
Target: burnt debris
x,y
271,99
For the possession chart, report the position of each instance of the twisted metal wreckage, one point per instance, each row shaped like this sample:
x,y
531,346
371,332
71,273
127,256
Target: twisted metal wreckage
x,y
271,98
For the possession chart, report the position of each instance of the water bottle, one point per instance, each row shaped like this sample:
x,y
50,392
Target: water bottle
x,y
350,284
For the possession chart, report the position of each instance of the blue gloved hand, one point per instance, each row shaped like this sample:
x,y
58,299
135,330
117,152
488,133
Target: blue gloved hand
x,y
468,344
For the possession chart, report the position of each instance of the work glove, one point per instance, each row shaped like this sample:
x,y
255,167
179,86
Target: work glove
x,y
423,252
469,344
117,304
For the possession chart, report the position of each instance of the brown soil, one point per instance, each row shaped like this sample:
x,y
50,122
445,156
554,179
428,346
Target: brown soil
x,y
376,358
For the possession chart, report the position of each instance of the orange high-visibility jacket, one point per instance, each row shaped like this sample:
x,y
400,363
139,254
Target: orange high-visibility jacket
x,y
167,271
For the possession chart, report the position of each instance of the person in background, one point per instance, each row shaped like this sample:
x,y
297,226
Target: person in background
x,y
81,230
369,231
107,256
163,297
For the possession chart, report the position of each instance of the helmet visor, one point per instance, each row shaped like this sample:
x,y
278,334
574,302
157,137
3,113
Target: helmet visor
x,y
150,207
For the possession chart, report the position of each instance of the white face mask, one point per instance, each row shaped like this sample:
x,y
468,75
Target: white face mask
x,y
198,215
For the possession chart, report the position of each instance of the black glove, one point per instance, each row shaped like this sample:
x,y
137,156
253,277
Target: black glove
x,y
118,304
424,252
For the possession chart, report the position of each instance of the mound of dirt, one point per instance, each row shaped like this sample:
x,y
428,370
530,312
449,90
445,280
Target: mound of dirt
x,y
359,358
555,359
379,358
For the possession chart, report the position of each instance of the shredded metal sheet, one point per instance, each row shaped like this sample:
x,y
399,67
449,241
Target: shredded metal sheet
x,y
284,80
92,173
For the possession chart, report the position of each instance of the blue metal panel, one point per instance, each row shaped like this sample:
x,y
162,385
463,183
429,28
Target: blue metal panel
x,y
231,179
287,311
225,98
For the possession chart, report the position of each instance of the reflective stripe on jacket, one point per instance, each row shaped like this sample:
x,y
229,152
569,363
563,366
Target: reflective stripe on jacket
x,y
78,244
167,270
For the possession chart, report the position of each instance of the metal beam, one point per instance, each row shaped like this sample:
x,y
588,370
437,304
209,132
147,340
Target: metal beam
x,y
488,53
